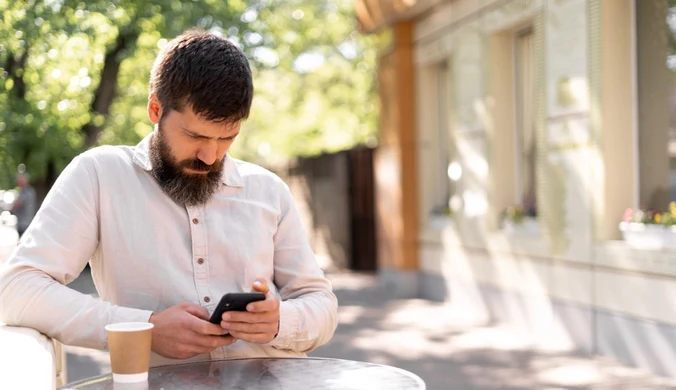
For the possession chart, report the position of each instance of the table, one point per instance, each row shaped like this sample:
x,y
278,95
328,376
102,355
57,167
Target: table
x,y
266,373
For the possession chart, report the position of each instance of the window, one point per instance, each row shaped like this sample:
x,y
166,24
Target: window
x,y
525,135
513,141
656,87
443,189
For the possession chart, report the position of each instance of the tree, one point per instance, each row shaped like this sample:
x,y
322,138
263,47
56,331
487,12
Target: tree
x,y
74,75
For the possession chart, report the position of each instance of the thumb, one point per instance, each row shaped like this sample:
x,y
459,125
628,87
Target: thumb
x,y
197,310
260,285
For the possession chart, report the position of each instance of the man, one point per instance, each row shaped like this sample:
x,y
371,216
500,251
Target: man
x,y
171,225
25,205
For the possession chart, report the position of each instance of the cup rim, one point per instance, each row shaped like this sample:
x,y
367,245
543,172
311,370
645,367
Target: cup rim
x,y
129,326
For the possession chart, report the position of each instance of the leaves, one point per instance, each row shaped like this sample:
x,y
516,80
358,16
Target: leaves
x,y
74,75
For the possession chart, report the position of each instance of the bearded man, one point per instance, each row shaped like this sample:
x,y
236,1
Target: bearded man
x,y
172,224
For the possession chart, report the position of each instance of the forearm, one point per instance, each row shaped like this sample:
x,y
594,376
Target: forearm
x,y
307,322
31,298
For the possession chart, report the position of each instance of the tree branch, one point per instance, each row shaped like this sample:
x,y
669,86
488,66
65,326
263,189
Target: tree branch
x,y
16,68
107,89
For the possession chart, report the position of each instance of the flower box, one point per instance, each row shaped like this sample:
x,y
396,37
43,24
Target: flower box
x,y
528,225
643,235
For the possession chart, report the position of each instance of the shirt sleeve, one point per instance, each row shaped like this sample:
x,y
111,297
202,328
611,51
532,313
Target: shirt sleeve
x,y
308,311
63,236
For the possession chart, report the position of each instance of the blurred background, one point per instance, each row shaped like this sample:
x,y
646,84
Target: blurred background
x,y
488,183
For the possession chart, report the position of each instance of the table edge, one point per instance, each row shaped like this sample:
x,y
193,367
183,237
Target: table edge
x,y
410,374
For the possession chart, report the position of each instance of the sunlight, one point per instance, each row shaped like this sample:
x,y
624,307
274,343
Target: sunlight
x,y
348,50
266,56
307,62
249,15
493,338
466,302
350,314
580,374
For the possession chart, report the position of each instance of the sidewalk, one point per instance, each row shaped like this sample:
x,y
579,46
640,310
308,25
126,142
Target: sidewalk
x,y
424,338
428,339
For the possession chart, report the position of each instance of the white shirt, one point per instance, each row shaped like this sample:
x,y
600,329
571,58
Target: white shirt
x,y
147,253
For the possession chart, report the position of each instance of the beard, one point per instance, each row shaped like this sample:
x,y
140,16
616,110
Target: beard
x,y
186,189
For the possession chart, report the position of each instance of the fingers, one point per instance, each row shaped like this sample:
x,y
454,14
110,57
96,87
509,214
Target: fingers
x,y
181,332
199,323
271,303
259,338
260,285
208,343
246,328
196,310
205,328
249,317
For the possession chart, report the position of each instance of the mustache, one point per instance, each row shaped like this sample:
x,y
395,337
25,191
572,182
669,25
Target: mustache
x,y
199,165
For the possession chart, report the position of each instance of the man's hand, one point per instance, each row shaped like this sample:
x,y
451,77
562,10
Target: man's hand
x,y
260,322
183,331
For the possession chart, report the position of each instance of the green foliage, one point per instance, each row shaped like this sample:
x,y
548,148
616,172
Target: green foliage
x,y
74,74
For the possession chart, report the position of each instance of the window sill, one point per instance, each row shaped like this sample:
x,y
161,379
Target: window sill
x,y
433,230
529,226
524,238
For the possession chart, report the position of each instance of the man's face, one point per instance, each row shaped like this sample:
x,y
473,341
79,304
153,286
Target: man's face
x,y
187,155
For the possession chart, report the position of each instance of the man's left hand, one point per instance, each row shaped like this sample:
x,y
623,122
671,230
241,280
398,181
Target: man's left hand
x,y
260,322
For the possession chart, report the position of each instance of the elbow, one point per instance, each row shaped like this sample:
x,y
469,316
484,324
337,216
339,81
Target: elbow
x,y
331,324
333,318
18,288
8,303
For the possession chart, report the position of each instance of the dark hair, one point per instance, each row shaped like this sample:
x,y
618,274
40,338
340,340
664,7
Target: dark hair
x,y
205,72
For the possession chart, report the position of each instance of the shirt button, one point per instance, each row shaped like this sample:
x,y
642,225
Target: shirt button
x,y
200,261
207,299
195,221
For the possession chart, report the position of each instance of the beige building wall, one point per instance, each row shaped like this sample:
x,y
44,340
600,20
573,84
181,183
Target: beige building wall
x,y
586,124
570,282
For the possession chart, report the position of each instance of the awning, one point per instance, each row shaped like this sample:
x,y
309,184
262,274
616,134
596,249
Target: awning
x,y
374,15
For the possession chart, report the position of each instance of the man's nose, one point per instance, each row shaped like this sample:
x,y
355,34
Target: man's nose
x,y
208,153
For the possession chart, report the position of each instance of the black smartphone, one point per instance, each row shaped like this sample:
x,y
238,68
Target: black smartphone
x,y
234,302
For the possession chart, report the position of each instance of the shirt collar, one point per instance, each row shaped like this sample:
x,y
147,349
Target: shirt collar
x,y
230,176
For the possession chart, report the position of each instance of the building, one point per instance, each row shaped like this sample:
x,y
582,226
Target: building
x,y
514,134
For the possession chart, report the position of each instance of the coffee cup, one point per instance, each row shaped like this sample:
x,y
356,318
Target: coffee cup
x,y
129,346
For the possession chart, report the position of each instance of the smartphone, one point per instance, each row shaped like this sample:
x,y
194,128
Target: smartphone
x,y
234,302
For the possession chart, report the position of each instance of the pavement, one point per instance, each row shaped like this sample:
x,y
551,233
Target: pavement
x,y
432,341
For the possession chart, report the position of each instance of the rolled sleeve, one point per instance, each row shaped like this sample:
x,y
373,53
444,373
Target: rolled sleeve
x,y
288,326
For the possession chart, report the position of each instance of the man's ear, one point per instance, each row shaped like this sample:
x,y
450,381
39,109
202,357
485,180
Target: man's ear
x,y
154,109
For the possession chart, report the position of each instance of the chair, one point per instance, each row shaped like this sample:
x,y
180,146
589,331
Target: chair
x,y
30,360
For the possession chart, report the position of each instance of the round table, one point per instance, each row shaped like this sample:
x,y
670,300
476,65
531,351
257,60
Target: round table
x,y
265,374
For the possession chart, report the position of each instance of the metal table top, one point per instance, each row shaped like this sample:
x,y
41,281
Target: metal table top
x,y
266,373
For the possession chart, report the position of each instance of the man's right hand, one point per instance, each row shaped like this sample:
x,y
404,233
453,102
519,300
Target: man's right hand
x,y
183,331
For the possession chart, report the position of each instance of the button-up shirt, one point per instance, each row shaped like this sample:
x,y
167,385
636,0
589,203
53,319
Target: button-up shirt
x,y
148,253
